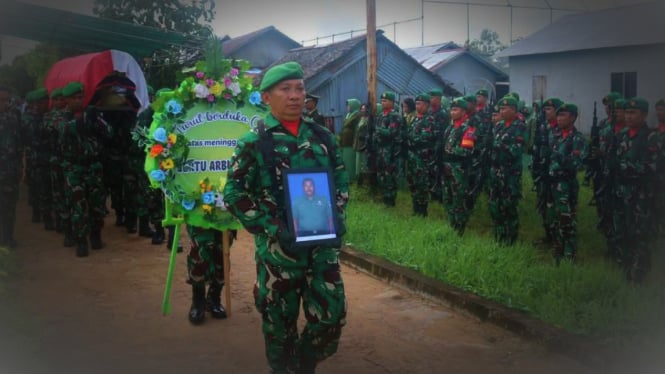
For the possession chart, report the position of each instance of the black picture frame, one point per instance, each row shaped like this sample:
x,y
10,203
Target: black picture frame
x,y
307,215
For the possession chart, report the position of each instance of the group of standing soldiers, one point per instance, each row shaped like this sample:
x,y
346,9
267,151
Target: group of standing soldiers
x,y
451,154
76,157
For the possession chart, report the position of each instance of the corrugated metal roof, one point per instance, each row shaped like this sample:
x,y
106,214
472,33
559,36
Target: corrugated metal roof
x,y
640,24
233,44
436,56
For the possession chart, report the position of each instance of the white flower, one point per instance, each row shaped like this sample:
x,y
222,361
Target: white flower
x,y
201,91
166,152
235,88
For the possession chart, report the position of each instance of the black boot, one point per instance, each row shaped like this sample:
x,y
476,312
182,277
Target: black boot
x,y
36,217
119,217
130,222
197,311
214,302
48,222
82,248
169,243
158,236
69,239
144,227
96,239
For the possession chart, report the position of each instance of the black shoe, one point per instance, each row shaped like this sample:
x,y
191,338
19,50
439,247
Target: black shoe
x,y
214,302
144,228
159,235
69,241
96,239
197,310
82,248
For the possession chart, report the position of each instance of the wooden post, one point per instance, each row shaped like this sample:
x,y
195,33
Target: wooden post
x,y
371,56
226,248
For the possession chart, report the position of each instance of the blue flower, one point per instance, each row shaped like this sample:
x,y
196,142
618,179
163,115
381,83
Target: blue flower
x,y
188,204
158,175
160,135
255,98
208,197
172,106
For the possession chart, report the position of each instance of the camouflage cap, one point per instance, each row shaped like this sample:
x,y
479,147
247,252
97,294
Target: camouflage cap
x,y
459,102
279,73
423,97
638,103
567,107
388,95
554,102
436,92
72,88
483,92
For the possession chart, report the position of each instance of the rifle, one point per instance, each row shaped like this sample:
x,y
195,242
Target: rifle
x,y
593,163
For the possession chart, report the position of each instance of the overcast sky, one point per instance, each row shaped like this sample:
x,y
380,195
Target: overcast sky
x,y
304,20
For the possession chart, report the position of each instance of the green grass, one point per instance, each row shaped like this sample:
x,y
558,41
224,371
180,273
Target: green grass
x,y
589,297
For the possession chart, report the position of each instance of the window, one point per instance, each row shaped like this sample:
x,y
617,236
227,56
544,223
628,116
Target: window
x,y
539,88
624,83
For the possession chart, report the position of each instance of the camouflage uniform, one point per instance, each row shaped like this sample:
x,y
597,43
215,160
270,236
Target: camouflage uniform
x,y
52,121
421,159
505,179
568,152
479,166
635,159
31,121
10,172
604,179
285,275
442,121
659,206
458,145
388,144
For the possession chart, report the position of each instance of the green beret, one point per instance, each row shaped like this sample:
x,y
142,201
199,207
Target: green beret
x,y
436,92
470,98
567,107
515,95
660,102
57,92
620,104
611,98
459,102
483,92
151,91
508,100
279,73
388,96
553,102
637,103
72,88
423,97
37,95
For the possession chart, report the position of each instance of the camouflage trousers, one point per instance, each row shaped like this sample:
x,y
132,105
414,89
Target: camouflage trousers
x,y
150,202
42,178
604,205
504,197
58,192
455,187
419,181
632,229
562,212
545,204
278,293
8,200
477,180
85,197
387,176
659,209
205,261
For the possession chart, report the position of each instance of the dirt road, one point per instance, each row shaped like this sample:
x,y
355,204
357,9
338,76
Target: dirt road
x,y
102,314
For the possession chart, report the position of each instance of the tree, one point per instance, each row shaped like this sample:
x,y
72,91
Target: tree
x,y
487,46
29,70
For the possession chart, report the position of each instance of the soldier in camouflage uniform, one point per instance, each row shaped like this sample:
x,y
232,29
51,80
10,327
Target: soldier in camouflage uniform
x,y
388,138
540,158
80,137
420,137
659,206
459,141
505,177
37,173
635,158
11,167
52,120
569,149
285,274
442,121
481,120
312,112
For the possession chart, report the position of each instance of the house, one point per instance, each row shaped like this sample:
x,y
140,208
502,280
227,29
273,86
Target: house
x,y
463,69
261,47
582,57
338,71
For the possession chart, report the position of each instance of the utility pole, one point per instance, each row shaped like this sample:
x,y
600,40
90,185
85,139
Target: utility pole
x,y
371,55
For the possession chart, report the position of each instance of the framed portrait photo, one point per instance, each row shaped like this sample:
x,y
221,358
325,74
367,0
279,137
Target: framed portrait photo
x,y
310,206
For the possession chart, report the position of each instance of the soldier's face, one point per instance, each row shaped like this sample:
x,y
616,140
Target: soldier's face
x,y
634,117
620,115
435,101
310,105
286,99
660,114
58,102
496,117
565,120
387,104
508,112
308,188
75,102
421,107
481,100
4,101
550,113
456,113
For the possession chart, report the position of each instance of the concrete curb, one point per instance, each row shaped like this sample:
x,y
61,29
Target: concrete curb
x,y
555,339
